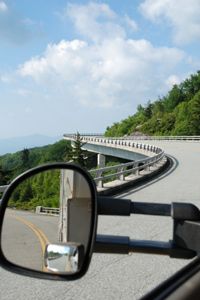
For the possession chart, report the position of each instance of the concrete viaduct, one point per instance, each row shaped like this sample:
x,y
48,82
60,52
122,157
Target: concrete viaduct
x,y
131,276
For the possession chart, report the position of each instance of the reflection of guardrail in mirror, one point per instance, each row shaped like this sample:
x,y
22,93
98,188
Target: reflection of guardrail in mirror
x,y
3,188
47,210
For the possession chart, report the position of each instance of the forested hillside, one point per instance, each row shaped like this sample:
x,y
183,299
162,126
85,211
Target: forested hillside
x,y
43,189
13,164
177,113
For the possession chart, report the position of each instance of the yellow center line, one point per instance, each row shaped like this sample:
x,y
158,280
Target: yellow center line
x,y
39,233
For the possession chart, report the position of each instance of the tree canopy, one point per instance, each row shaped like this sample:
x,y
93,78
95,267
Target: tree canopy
x,y
76,153
177,113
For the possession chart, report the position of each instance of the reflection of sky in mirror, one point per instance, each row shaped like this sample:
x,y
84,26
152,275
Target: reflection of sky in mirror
x,y
87,64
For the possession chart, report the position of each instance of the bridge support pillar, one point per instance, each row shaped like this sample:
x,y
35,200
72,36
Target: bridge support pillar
x,y
101,160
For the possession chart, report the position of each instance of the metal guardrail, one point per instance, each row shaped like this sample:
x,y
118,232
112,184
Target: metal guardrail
x,y
164,138
120,171
128,143
141,137
116,142
47,210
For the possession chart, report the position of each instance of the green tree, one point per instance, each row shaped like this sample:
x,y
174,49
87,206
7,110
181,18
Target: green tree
x,y
4,176
174,97
182,124
148,110
158,108
76,153
191,85
25,160
26,192
177,113
195,114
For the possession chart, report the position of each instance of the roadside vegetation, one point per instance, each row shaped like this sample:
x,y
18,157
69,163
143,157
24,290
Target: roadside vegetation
x,y
11,165
43,189
177,113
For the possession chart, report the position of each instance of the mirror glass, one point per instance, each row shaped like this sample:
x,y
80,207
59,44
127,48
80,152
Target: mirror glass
x,y
47,222
63,257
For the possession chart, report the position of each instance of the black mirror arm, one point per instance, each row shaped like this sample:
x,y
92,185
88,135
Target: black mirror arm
x,y
125,245
125,207
186,232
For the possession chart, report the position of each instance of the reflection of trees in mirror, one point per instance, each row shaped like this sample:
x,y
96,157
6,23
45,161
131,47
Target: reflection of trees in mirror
x,y
52,255
4,176
42,189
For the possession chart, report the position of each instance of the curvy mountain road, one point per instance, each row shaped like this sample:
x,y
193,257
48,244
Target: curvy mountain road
x,y
125,276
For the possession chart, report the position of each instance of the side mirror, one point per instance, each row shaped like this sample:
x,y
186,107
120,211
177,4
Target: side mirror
x,y
48,222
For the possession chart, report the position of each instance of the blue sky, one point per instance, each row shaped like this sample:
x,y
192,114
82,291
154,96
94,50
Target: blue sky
x,y
68,66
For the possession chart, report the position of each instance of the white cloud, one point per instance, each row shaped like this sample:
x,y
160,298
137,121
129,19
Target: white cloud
x,y
95,21
181,15
3,6
115,72
99,77
107,70
131,23
61,60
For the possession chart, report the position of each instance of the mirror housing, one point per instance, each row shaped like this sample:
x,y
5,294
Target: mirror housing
x,y
77,248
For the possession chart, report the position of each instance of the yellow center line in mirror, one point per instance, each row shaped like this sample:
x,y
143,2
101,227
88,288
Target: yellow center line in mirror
x,y
39,233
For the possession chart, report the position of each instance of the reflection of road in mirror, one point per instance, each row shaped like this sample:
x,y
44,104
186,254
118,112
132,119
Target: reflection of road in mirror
x,y
25,236
48,207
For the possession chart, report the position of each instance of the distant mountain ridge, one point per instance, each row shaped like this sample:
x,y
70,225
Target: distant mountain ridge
x,y
11,145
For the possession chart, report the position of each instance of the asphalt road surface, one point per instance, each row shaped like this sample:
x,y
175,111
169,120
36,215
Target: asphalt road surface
x,y
125,276
25,236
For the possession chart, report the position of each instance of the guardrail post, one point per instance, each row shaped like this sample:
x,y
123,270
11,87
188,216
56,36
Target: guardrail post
x,y
121,176
147,167
137,172
99,182
38,209
101,160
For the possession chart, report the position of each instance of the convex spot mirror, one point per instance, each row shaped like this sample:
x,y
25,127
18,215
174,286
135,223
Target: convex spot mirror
x,y
48,222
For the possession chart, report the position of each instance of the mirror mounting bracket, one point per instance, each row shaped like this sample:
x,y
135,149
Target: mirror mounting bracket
x,y
186,228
